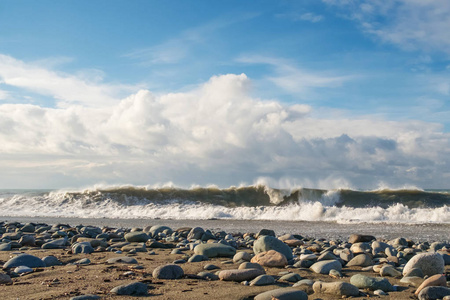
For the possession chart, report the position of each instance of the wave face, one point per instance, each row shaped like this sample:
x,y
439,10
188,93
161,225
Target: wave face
x,y
243,203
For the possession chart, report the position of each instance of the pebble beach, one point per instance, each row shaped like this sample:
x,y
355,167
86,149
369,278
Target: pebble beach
x,y
63,261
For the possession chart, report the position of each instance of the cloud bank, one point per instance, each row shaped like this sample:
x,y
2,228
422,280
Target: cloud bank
x,y
215,133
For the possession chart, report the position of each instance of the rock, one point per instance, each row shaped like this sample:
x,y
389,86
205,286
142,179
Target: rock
x,y
249,265
358,248
28,228
304,264
430,263
179,261
291,277
122,260
293,242
398,242
435,280
262,232
282,294
90,231
215,250
434,292
335,273
85,297
51,261
388,270
27,240
208,276
242,256
361,260
168,272
305,285
358,238
131,289
415,272
24,260
136,247
158,245
336,288
380,293
262,280
324,267
197,258
412,281
210,267
55,244
136,237
266,243
195,233
5,247
371,283
270,258
327,256
155,230
23,269
378,247
83,247
240,274
5,279
83,261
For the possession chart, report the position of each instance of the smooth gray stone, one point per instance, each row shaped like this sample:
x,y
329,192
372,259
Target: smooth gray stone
x,y
91,231
122,260
265,243
85,297
430,263
84,261
283,294
27,240
168,272
325,266
242,256
28,228
437,246
262,280
215,250
23,269
360,260
5,247
136,237
24,260
51,261
83,247
197,258
55,244
268,232
154,230
210,267
371,283
291,277
196,233
416,272
131,289
434,292
304,263
179,261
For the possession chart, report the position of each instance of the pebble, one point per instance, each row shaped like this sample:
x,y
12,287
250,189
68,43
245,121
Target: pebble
x,y
24,260
283,293
270,258
361,260
266,243
262,280
434,292
131,289
240,274
242,256
291,277
5,278
325,266
371,283
435,280
215,250
23,269
168,272
338,288
122,260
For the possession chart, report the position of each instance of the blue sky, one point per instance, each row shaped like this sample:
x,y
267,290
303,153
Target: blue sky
x,y
375,72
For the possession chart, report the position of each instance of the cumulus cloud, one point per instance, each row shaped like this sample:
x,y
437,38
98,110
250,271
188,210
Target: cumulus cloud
x,y
410,24
215,133
64,88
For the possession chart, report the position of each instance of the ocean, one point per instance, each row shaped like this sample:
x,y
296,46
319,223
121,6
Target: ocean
x,y
415,214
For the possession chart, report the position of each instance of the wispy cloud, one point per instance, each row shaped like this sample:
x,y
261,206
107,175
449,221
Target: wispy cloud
x,y
176,49
3,95
295,16
63,88
409,24
293,79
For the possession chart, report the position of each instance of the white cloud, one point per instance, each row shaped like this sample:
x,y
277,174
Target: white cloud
x,y
64,88
410,24
296,80
3,95
215,133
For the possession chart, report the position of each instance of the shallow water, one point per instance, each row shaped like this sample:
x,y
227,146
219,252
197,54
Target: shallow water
x,y
327,230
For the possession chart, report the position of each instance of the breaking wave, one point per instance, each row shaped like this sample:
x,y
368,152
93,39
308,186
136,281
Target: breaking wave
x,y
241,203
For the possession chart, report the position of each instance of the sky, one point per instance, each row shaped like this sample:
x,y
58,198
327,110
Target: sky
x,y
320,94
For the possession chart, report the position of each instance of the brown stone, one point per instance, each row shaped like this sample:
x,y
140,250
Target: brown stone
x,y
240,275
435,280
270,258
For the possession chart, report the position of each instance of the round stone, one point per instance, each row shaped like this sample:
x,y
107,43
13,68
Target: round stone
x,y
168,272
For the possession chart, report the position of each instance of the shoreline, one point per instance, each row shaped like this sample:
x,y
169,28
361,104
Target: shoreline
x,y
92,272
315,229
